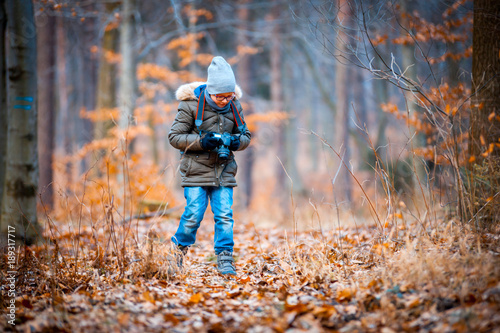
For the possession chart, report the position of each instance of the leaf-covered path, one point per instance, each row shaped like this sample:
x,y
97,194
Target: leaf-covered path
x,y
372,281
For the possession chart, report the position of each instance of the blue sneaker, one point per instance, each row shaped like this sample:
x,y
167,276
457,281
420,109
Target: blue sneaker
x,y
225,263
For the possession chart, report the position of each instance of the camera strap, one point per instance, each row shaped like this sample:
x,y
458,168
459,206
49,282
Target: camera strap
x,y
201,107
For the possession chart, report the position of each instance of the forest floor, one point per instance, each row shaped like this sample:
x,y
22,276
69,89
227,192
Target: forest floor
x,y
408,278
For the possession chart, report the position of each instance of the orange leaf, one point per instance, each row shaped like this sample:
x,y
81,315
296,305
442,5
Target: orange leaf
x,y
123,319
481,138
245,280
491,116
472,159
413,303
325,311
346,294
489,151
373,283
298,308
171,318
147,296
195,298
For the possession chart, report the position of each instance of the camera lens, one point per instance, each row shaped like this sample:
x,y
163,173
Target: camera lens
x,y
223,152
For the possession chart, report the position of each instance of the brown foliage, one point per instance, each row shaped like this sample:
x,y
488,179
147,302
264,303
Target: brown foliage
x,y
443,281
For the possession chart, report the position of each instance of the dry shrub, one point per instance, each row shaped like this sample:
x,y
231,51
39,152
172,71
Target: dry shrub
x,y
128,183
484,189
452,260
154,259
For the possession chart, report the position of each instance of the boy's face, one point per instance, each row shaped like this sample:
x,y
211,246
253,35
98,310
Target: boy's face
x,y
221,100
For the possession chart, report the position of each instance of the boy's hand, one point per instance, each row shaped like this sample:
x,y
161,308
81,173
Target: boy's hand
x,y
235,142
209,142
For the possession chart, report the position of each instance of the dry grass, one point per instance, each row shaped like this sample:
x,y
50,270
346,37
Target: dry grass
x,y
359,278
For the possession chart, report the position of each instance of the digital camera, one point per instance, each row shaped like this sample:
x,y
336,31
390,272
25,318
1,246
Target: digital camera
x,y
223,151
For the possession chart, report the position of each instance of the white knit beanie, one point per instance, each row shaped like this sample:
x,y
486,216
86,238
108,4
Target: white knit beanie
x,y
220,77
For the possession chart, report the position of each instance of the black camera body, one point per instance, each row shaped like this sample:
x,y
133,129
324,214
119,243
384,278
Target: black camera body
x,y
223,151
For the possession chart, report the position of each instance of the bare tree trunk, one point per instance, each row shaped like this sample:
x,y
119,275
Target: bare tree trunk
x,y
409,65
106,82
359,97
343,128
21,179
408,49
154,138
342,119
452,65
485,129
245,81
126,95
312,121
381,97
277,100
3,99
323,88
64,124
326,96
192,46
290,102
46,106
75,96
89,81
359,101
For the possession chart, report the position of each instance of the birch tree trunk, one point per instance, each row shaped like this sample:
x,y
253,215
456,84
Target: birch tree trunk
x,y
21,179
127,73
3,99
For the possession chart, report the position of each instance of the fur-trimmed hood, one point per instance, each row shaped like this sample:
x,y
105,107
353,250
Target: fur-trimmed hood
x,y
186,91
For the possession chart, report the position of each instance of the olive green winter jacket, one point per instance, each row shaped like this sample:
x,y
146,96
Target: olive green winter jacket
x,y
198,167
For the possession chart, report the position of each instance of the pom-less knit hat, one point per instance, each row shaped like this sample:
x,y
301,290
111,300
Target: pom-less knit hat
x,y
220,77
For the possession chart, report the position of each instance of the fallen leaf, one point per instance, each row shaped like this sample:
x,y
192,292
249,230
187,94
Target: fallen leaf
x,y
195,298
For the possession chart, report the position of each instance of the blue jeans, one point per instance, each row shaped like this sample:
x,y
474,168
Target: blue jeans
x,y
221,200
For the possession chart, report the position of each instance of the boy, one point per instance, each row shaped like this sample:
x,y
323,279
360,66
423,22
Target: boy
x,y
208,127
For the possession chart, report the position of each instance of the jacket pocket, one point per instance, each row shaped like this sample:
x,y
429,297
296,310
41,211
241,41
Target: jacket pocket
x,y
231,169
185,166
